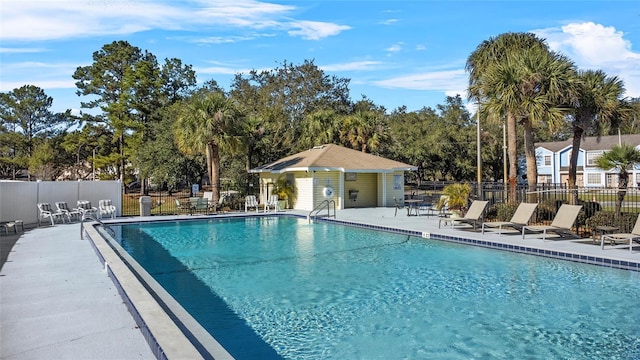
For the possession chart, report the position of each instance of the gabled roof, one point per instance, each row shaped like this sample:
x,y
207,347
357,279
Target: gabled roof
x,y
593,143
333,157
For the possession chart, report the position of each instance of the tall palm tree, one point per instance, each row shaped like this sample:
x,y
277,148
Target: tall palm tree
x,y
206,122
621,158
546,83
598,103
499,98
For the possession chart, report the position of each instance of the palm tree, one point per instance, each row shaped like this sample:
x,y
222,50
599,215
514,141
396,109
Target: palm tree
x,y
621,158
597,104
364,131
524,82
320,127
206,122
498,93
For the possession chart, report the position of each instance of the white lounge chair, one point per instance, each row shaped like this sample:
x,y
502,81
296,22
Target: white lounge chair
x,y
45,211
634,235
71,214
519,219
561,224
473,217
272,202
106,208
250,202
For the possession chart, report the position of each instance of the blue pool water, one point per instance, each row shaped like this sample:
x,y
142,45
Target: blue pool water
x,y
269,288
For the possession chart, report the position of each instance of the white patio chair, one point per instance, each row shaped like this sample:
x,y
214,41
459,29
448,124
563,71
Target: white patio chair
x,y
250,202
45,211
106,208
272,202
71,214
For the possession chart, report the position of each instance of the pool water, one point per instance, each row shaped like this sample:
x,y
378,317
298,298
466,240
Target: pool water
x,y
278,287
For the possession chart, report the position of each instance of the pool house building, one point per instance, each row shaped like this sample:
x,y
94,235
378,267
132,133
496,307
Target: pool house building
x,y
349,177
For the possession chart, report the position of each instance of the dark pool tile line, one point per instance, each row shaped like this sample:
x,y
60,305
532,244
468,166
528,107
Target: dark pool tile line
x,y
156,349
374,227
595,260
589,259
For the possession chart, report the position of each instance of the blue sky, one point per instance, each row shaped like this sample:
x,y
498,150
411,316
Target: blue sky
x,y
396,53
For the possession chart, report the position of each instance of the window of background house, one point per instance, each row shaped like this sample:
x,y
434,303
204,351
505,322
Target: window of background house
x,y
547,160
591,158
594,179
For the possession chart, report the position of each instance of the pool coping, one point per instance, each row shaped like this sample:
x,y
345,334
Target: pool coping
x,y
164,322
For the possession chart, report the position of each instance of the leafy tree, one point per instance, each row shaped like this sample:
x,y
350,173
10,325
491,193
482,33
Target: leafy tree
x,y
42,162
25,115
599,102
123,82
441,144
630,120
282,97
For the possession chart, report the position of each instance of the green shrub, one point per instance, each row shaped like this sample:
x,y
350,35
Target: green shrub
x,y
607,218
501,212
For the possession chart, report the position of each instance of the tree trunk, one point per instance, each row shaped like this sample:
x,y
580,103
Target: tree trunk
x,y
214,152
513,154
573,165
532,166
623,182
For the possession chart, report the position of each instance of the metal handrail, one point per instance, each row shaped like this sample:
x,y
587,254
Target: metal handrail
x,y
90,216
321,206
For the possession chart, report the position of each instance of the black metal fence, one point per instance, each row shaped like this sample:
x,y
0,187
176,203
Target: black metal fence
x,y
600,205
167,202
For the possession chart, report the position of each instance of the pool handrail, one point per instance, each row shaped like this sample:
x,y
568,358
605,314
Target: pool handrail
x,y
321,206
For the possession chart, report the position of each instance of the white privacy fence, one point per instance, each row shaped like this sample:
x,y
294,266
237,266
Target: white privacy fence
x,y
19,199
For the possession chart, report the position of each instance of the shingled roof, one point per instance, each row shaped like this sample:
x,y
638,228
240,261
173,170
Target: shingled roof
x,y
593,143
333,157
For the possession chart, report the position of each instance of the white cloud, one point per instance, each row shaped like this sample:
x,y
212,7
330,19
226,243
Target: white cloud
x,y
315,30
394,48
448,81
18,50
389,22
421,48
44,84
351,66
58,19
595,46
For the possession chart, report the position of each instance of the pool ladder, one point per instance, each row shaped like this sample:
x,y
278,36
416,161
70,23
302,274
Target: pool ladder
x,y
91,216
328,204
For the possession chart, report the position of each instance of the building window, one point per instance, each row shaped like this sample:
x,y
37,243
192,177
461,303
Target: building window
x,y
594,179
611,180
544,179
592,157
397,182
547,160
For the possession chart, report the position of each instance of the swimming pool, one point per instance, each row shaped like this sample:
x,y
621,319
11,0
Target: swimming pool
x,y
278,287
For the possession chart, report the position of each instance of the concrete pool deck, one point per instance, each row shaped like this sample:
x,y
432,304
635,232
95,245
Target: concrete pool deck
x,y
56,300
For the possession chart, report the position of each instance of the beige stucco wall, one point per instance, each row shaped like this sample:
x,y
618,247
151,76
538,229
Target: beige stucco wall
x,y
374,189
388,189
367,186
